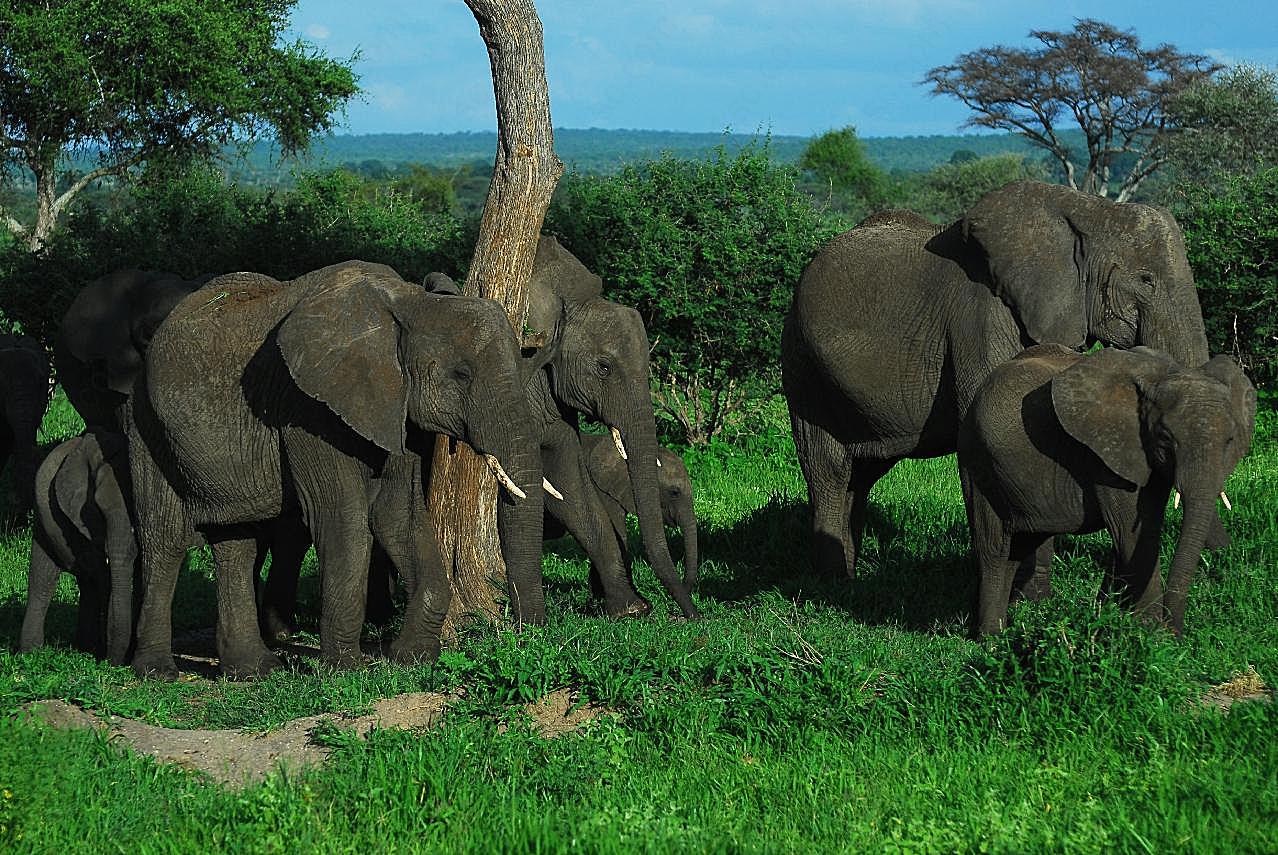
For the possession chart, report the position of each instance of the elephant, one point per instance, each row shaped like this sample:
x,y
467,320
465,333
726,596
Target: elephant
x,y
1058,442
320,395
599,369
24,395
83,526
103,338
608,472
895,324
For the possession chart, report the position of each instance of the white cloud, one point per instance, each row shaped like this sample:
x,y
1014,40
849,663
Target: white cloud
x,y
318,31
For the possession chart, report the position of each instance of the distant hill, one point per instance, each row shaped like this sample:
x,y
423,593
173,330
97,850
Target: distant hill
x,y
594,150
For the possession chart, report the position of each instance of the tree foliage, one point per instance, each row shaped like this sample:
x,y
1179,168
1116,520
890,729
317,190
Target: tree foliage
x,y
708,252
837,160
127,81
1096,77
1231,235
945,192
1228,125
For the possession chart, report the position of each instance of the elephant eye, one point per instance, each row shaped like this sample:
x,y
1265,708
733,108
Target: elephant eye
x,y
1146,278
463,373
603,369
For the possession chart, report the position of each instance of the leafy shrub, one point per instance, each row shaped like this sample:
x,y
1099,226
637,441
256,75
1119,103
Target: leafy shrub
x,y
708,252
945,192
1231,234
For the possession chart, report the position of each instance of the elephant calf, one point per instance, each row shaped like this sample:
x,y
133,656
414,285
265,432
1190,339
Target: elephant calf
x,y
82,525
24,395
1057,442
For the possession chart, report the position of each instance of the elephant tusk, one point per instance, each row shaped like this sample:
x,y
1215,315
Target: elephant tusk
x,y
502,478
621,446
1228,505
658,462
1176,499
550,488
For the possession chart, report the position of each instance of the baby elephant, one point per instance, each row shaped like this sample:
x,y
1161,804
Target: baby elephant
x,y
610,474
1056,442
82,525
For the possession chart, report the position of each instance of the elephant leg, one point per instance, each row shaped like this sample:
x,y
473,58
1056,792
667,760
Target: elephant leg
x,y
42,581
827,469
1034,578
239,643
288,540
343,545
865,474
992,549
90,617
1135,578
382,572
162,542
415,551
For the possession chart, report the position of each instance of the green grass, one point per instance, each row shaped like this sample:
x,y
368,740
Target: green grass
x,y
800,714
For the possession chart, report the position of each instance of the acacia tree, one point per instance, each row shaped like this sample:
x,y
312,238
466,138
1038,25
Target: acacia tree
x,y
1095,77
1228,125
121,82
463,492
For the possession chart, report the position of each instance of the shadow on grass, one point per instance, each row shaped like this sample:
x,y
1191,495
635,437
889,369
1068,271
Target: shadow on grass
x,y
898,583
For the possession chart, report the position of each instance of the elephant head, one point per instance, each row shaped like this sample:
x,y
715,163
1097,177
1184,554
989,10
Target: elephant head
x,y
104,335
1189,426
600,368
1076,268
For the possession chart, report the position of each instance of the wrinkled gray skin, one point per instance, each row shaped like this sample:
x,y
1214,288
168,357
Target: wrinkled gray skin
x,y
103,338
1056,442
321,394
610,475
24,395
896,323
82,526
599,369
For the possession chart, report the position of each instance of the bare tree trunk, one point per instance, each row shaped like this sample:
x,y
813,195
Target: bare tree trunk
x,y
463,493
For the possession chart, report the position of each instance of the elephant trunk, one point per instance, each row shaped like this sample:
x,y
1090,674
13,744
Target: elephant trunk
x,y
1200,511
640,437
1175,325
688,524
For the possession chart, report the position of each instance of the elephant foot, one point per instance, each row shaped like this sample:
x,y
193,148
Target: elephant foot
x,y
277,630
413,652
1034,590
345,658
250,667
634,609
155,666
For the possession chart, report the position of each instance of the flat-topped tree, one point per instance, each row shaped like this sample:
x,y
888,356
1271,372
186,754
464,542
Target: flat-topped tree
x,y
1096,78
463,494
121,82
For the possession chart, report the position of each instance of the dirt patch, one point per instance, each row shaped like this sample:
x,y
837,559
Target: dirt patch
x,y
1242,686
559,713
237,758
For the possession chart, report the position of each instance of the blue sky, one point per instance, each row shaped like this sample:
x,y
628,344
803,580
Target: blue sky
x,y
796,67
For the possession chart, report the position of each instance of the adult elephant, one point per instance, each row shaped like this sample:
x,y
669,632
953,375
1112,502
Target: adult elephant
x,y
320,395
103,338
24,395
599,369
896,322
1057,442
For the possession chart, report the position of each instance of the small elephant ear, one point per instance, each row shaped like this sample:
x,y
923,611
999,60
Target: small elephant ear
x,y
74,483
441,283
341,345
1242,394
1097,402
558,270
1034,254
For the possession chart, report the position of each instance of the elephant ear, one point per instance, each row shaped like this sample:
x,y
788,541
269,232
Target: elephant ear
x,y
559,271
1035,257
74,483
1098,403
341,345
1242,394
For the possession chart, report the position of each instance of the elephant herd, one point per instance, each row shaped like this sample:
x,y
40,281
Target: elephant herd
x,y
263,416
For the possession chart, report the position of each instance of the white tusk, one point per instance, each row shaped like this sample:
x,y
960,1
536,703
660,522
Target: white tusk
x,y
504,479
1176,499
550,488
1228,505
658,462
621,446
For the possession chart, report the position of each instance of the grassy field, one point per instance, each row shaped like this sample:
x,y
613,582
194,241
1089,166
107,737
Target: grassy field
x,y
801,714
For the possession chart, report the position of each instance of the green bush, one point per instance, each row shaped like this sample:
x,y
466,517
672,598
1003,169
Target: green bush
x,y
1231,234
945,192
708,252
193,221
